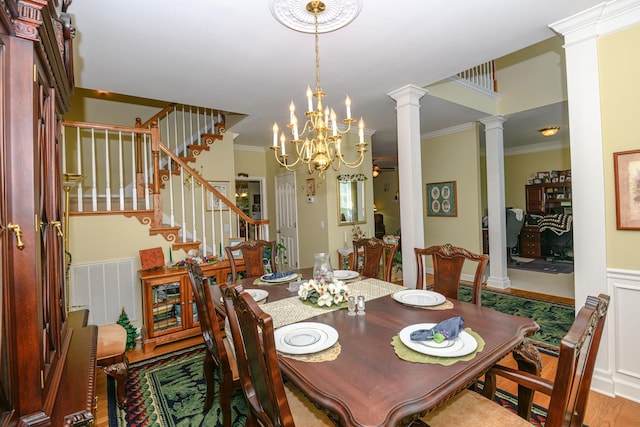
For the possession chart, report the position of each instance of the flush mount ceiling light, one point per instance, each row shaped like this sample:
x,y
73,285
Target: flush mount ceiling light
x,y
549,131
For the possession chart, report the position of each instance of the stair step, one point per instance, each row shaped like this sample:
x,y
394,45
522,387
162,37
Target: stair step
x,y
186,246
210,138
169,233
196,149
189,159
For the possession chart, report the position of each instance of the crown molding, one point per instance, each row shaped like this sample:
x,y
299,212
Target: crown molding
x,y
447,131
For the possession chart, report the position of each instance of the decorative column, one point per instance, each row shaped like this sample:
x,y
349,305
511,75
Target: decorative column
x,y
493,129
410,176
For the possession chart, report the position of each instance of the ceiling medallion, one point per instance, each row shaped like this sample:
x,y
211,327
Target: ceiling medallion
x,y
294,14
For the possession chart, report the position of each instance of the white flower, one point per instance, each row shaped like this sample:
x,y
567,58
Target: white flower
x,y
322,293
325,299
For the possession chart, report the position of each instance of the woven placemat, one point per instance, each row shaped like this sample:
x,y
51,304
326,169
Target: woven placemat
x,y
447,305
405,353
327,355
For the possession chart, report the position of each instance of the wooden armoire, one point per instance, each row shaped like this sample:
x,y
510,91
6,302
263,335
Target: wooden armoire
x,y
47,356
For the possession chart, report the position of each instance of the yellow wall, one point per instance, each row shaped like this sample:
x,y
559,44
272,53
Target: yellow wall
x,y
532,77
455,157
620,97
517,168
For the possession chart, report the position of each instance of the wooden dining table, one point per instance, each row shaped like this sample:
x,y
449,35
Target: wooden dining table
x,y
368,384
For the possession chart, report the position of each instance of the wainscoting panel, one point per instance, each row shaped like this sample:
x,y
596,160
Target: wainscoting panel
x,y
105,288
624,286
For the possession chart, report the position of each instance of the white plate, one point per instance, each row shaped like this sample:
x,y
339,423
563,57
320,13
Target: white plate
x,y
462,345
287,278
419,297
345,274
257,294
305,338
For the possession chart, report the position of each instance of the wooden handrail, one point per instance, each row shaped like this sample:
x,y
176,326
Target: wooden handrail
x,y
102,126
210,187
156,118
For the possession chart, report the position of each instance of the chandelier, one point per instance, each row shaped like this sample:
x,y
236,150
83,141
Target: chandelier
x,y
318,142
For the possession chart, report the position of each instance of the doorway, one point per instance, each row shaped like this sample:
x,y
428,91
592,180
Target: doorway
x,y
250,199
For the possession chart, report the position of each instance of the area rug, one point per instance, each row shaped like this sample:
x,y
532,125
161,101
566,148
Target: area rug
x,y
543,266
554,318
170,391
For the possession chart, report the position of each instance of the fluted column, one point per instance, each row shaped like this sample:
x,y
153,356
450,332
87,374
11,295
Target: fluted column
x,y
493,129
410,176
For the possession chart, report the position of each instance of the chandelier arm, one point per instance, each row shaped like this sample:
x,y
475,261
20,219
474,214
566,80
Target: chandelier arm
x,y
357,162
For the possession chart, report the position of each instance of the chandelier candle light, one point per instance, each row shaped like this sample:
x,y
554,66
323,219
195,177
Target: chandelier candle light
x,y
318,144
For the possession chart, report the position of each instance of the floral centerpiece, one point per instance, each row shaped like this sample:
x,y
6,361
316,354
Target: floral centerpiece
x,y
324,294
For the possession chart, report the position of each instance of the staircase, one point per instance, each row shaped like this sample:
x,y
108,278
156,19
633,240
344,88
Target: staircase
x,y
149,172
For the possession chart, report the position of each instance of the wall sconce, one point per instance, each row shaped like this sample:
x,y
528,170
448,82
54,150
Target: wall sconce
x,y
550,131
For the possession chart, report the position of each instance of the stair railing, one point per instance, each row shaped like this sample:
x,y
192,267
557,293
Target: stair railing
x,y
483,76
127,170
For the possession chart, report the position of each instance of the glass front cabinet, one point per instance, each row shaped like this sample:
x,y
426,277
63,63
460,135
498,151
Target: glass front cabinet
x,y
170,311
169,308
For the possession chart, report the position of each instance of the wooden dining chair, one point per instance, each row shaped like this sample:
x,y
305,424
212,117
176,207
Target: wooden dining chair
x,y
569,391
219,355
271,402
374,252
253,254
448,261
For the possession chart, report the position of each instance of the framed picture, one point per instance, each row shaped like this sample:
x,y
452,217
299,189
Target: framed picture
x,y
626,166
232,241
214,203
256,199
311,187
442,199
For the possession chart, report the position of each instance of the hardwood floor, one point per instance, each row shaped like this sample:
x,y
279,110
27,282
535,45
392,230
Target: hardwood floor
x,y
601,411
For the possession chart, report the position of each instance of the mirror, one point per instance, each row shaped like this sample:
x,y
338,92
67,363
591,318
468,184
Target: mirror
x,y
350,201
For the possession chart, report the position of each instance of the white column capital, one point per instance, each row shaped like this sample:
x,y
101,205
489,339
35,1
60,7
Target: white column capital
x,y
599,20
408,95
493,122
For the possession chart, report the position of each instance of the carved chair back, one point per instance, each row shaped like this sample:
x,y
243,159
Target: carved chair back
x,y
253,254
448,261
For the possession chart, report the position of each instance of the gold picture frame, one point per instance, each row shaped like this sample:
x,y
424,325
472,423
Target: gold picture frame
x,y
626,165
311,186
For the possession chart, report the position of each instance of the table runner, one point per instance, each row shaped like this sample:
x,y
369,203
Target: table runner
x,y
292,310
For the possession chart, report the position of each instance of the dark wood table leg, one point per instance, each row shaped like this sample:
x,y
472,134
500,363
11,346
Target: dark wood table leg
x,y
528,358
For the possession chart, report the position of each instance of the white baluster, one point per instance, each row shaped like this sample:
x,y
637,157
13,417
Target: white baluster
x,y
134,186
79,168
121,170
94,191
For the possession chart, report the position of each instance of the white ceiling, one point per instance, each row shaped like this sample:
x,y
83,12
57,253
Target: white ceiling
x,y
233,55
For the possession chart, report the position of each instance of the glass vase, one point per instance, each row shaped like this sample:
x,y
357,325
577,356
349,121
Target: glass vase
x,y
322,269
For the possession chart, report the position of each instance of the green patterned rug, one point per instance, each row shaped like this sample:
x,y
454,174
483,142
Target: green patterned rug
x,y
554,318
169,391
